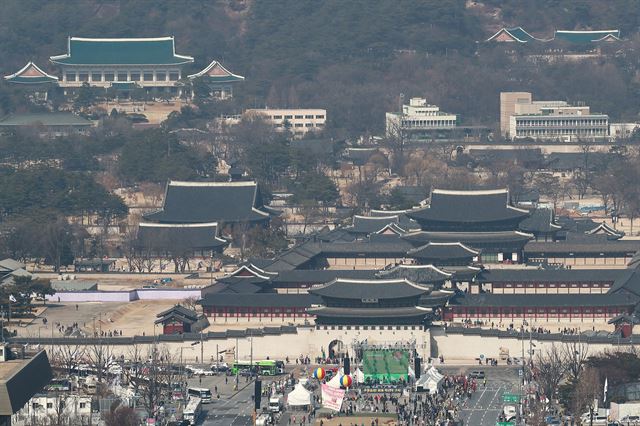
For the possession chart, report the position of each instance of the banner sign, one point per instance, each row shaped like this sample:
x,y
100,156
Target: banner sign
x,y
332,397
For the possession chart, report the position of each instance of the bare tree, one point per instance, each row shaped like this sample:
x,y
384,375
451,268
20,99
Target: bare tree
x,y
122,416
160,377
575,354
191,303
67,357
586,390
550,368
100,355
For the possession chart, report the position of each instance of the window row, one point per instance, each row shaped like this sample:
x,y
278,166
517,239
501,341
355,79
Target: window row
x,y
122,76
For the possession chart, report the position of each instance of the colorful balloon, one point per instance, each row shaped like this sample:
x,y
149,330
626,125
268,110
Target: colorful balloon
x,y
319,373
346,381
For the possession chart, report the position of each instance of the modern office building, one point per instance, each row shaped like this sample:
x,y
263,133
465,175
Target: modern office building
x,y
522,117
420,120
296,120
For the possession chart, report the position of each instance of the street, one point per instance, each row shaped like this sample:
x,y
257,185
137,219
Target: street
x,y
484,406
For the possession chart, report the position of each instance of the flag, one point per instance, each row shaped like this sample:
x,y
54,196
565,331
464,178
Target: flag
x,y
606,382
12,298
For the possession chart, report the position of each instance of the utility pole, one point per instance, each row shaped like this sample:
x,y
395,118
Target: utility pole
x,y
237,369
251,355
201,348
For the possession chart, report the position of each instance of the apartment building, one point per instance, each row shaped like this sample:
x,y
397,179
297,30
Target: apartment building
x,y
522,117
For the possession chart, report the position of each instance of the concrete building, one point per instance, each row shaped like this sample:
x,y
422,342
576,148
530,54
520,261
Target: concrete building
x,y
296,120
20,379
420,120
53,407
122,63
522,117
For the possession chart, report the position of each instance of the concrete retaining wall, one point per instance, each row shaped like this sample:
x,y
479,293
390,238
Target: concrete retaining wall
x,y
93,296
125,295
168,293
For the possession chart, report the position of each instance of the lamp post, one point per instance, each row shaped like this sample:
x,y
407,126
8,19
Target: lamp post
x,y
182,375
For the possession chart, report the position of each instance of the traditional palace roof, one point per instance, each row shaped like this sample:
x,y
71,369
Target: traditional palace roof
x,y
260,300
517,34
121,51
473,239
550,275
369,289
604,229
31,74
171,236
177,311
569,248
443,251
378,313
540,221
216,73
222,202
468,207
422,274
541,300
393,223
587,36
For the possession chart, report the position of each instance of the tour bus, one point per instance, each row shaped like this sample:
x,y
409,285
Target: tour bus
x,y
192,410
266,367
203,393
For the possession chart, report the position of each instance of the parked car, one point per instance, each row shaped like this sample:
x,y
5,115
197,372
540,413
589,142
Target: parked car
x,y
476,374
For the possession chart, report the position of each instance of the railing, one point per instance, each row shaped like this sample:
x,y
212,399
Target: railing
x,y
161,338
560,337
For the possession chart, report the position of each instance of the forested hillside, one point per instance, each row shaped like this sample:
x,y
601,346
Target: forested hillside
x,y
352,57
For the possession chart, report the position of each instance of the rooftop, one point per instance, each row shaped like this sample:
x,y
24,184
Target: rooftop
x,y
31,74
448,206
443,251
168,236
369,289
121,51
199,202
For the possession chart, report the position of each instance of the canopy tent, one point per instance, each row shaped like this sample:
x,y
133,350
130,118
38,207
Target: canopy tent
x,y
358,376
335,381
299,397
430,382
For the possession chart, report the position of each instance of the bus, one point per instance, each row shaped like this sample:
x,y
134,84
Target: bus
x,y
203,394
265,367
192,411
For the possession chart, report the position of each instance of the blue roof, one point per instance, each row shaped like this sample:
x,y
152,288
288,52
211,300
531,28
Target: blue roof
x,y
587,36
121,51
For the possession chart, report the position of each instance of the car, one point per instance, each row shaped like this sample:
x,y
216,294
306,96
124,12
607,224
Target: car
x,y
475,374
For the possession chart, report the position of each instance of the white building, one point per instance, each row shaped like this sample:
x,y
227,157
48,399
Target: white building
x,y
297,120
623,130
521,117
53,409
420,120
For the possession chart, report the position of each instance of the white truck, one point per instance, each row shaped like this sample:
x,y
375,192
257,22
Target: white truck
x,y
276,403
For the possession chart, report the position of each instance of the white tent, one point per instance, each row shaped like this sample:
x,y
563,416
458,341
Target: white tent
x,y
335,381
299,397
431,381
358,376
